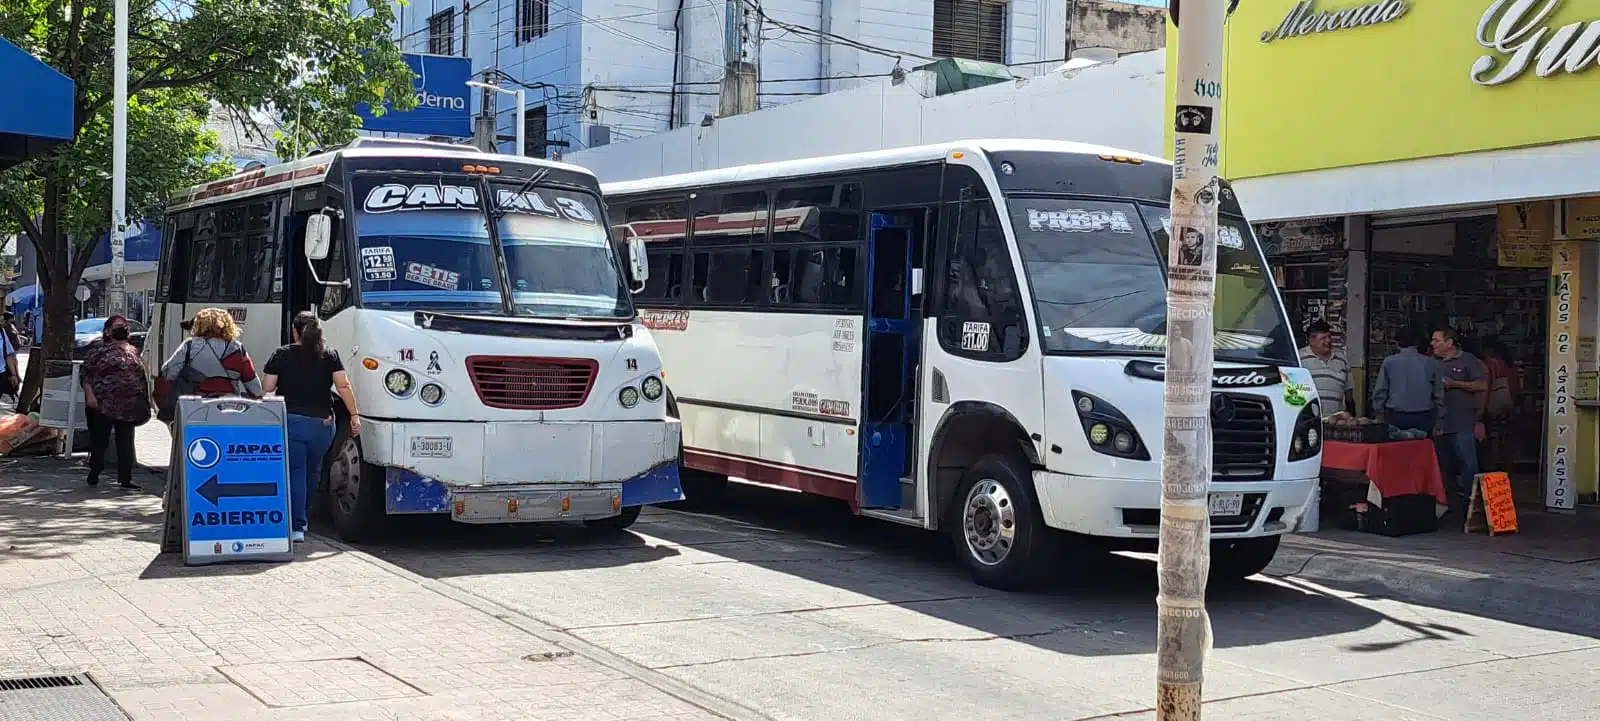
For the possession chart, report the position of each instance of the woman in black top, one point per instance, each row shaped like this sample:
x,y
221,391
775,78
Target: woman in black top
x,y
302,372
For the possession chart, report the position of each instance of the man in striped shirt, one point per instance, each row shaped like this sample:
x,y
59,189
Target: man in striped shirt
x,y
1330,372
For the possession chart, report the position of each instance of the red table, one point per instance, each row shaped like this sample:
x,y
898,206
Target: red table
x,y
1396,468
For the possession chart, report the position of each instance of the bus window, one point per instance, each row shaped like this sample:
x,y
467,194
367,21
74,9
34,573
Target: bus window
x,y
664,225
200,277
261,270
983,316
728,276
739,217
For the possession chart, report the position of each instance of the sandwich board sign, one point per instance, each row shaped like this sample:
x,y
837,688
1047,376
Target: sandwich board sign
x,y
235,480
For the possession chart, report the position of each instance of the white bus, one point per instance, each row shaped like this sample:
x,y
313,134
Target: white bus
x,y
482,313
966,337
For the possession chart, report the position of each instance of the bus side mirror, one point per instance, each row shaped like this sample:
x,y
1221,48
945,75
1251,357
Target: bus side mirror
x,y
319,236
638,263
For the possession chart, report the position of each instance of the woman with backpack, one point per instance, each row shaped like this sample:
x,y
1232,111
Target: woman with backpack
x,y
302,373
210,363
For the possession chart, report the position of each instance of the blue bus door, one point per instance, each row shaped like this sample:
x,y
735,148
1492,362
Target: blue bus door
x,y
888,375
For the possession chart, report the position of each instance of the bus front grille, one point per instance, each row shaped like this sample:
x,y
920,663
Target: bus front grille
x,y
532,384
1242,434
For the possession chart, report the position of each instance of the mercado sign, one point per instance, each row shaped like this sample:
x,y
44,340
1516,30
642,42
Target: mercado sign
x,y
1403,80
1305,19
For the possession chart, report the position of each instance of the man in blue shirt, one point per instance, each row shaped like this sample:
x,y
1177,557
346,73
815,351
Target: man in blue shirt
x,y
1460,424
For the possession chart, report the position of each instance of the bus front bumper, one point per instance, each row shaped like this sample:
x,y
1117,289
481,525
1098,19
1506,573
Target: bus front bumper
x,y
507,472
1126,508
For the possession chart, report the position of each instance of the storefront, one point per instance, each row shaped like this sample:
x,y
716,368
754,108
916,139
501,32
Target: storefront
x,y
1420,163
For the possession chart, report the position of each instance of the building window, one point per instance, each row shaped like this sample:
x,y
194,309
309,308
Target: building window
x,y
970,29
533,20
442,32
538,132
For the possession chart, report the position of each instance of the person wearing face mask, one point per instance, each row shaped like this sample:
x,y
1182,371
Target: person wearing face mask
x,y
117,397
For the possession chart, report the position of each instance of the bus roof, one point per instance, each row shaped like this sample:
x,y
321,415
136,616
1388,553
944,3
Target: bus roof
x,y
860,161
314,168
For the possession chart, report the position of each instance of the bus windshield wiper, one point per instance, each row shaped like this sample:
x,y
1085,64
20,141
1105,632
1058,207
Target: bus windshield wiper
x,y
538,175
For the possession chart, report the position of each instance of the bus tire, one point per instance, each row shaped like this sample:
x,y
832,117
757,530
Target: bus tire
x,y
355,495
617,523
997,528
1237,559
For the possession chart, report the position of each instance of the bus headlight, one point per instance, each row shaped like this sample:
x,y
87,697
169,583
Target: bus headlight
x,y
431,394
1109,431
399,383
1307,439
651,387
629,397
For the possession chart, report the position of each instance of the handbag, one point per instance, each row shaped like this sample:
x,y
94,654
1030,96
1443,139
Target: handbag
x,y
177,388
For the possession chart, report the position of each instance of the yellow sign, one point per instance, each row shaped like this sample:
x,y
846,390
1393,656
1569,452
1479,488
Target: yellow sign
x,y
1524,235
1561,425
1350,86
1583,215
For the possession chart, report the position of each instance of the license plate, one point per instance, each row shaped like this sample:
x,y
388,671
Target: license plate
x,y
1227,504
431,447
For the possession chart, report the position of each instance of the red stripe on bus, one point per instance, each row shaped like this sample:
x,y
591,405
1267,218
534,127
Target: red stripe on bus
x,y
800,478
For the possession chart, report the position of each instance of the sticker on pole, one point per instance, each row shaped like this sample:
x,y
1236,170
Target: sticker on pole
x,y
1193,119
236,492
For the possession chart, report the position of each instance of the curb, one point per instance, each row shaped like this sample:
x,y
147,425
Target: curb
x,y
1555,603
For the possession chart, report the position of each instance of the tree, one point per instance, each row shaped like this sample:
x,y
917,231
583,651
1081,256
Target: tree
x,y
1183,630
306,63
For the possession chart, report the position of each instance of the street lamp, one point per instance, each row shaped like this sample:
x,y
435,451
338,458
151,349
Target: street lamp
x,y
522,131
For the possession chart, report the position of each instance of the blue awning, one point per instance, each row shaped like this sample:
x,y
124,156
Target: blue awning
x,y
38,112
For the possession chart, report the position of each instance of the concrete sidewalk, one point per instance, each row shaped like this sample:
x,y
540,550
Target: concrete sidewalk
x,y
1551,570
334,635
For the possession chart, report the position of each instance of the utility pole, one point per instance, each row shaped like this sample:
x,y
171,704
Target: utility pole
x,y
741,77
119,163
1183,630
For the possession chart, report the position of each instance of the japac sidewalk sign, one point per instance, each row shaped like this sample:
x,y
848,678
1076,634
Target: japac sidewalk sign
x,y
234,480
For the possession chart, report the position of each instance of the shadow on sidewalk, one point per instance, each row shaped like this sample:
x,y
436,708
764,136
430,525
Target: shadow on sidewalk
x,y
48,512
1108,611
1545,576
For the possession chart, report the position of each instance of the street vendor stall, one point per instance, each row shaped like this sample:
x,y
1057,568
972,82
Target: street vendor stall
x,y
1382,479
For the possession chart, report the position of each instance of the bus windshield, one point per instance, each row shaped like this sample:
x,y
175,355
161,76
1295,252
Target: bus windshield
x,y
562,265
426,245
1098,273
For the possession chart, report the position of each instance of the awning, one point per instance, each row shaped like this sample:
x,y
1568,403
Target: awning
x,y
37,112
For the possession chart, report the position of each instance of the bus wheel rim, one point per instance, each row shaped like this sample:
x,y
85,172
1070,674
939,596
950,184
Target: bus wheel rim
x,y
989,522
346,481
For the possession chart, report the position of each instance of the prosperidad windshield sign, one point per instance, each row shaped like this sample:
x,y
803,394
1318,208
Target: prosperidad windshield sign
x,y
443,107
399,197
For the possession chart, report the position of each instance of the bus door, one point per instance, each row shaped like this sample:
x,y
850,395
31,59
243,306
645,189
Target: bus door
x,y
892,353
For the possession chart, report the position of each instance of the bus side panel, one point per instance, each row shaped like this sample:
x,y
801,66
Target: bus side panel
x,y
773,398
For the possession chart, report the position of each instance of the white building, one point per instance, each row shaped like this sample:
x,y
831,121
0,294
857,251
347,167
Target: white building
x,y
1119,104
600,71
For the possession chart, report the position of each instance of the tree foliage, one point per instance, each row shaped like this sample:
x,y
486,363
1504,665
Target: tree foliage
x,y
293,69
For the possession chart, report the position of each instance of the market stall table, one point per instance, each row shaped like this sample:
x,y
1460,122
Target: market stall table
x,y
1390,470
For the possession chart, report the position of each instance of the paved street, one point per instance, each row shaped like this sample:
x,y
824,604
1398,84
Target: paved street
x,y
771,607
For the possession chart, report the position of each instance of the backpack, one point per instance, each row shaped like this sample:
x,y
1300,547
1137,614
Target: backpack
x,y
183,385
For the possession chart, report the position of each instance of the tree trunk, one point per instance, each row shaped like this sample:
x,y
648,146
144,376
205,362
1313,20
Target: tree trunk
x,y
58,278
1183,630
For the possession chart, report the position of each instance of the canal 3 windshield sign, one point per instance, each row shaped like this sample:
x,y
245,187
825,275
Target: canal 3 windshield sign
x,y
443,106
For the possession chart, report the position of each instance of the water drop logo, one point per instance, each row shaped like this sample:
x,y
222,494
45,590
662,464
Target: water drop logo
x,y
204,453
